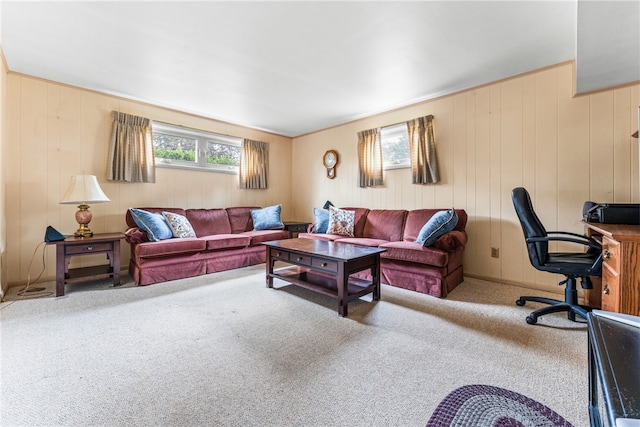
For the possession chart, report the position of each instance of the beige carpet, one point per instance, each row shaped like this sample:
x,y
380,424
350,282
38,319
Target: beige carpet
x,y
224,350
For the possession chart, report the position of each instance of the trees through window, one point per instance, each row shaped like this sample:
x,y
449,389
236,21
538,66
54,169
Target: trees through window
x,y
181,147
395,146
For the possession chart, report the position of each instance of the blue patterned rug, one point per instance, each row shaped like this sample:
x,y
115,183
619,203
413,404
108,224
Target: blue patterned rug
x,y
488,406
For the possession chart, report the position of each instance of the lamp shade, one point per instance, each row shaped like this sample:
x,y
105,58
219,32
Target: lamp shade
x,y
84,189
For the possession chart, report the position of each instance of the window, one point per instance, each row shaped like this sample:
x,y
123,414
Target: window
x,y
185,148
395,147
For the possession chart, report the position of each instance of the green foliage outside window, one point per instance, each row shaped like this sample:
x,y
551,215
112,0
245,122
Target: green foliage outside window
x,y
174,147
175,154
184,148
223,154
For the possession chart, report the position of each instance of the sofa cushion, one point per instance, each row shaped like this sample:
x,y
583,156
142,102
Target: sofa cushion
x,y
439,224
206,222
321,220
363,241
240,218
415,252
267,218
385,224
179,224
152,223
169,247
259,236
341,222
217,242
417,218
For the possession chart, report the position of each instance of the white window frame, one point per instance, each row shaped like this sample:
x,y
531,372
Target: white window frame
x,y
202,138
392,132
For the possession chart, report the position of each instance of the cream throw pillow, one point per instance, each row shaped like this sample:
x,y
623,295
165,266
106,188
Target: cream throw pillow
x,y
180,225
341,222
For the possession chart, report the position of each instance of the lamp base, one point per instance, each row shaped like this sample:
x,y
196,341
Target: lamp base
x,y
83,217
83,231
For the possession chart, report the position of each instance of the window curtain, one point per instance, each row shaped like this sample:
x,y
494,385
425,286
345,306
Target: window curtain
x,y
422,151
131,155
369,158
254,164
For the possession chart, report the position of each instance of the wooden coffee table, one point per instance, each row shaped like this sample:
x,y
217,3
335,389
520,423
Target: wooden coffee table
x,y
325,267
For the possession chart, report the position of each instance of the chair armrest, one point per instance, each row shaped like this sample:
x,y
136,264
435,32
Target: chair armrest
x,y
589,242
570,237
566,233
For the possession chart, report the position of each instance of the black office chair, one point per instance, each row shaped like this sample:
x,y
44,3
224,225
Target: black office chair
x,y
573,265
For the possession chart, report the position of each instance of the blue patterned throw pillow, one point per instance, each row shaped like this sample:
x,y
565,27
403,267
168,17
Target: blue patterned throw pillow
x,y
267,218
152,223
321,222
440,223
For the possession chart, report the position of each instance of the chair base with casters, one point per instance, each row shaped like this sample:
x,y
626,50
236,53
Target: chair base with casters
x,y
570,303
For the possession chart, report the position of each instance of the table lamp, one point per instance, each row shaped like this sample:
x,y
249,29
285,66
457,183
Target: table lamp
x,y
84,189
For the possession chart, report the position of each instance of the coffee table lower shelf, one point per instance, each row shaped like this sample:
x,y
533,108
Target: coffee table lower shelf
x,y
325,285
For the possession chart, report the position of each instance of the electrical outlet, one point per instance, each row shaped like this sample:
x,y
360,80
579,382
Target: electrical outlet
x,y
495,253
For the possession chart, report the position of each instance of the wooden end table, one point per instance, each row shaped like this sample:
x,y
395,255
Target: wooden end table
x,y
106,243
295,227
325,267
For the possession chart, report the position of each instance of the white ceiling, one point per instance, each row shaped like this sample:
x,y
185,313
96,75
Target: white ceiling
x,y
286,67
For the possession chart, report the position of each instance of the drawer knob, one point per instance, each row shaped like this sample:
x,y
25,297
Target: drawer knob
x,y
606,253
89,248
324,264
299,258
606,290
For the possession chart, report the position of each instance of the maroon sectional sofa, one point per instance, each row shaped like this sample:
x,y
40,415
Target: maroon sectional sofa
x,y
434,270
225,239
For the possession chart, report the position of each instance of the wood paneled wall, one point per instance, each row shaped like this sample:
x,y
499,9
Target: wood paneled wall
x,y
526,131
55,131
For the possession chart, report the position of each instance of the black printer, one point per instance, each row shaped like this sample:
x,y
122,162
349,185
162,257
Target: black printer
x,y
611,213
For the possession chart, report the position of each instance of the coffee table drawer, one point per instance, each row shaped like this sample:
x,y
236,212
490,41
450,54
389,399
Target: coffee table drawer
x,y
300,259
275,253
325,264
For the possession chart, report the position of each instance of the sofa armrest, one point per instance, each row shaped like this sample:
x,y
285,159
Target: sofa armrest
x,y
451,241
134,236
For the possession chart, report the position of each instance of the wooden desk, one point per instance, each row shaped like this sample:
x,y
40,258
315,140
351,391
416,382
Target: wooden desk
x,y
619,290
108,243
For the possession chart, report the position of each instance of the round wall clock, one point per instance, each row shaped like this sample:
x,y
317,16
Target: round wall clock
x,y
330,160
